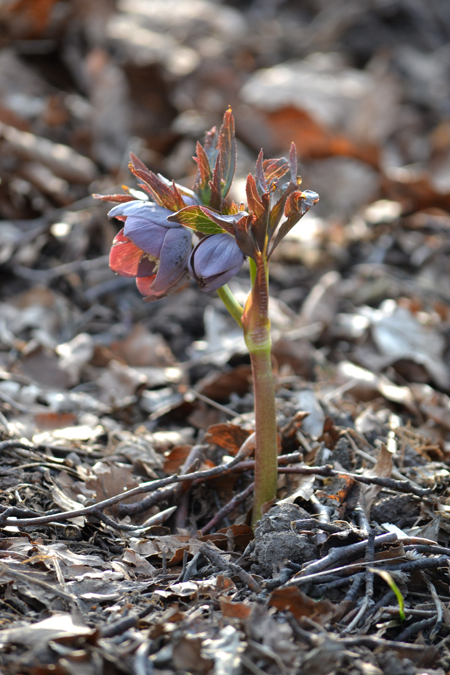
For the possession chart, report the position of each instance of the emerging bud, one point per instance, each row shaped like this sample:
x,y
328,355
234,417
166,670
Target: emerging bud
x,y
215,260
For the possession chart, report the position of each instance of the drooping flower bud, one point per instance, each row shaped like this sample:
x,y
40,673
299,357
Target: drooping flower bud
x,y
215,260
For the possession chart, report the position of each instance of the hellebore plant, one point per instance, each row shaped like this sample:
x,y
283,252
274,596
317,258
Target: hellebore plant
x,y
155,246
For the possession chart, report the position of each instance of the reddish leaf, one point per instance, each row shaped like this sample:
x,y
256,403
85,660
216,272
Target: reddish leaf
x,y
215,186
165,195
211,145
176,458
241,535
293,600
294,209
204,175
254,200
219,386
243,231
227,152
48,421
293,163
115,198
274,169
235,610
260,178
228,436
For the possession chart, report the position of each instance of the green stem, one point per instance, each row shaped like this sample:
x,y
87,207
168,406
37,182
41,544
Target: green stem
x,y
257,338
266,455
231,303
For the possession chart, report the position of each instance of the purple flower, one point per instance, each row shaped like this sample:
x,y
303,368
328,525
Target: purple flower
x,y
215,260
150,248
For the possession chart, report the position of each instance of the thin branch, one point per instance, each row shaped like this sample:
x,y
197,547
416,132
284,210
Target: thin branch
x,y
141,489
228,508
216,559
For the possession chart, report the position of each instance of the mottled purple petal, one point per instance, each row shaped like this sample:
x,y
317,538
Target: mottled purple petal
x,y
138,207
174,257
145,286
148,236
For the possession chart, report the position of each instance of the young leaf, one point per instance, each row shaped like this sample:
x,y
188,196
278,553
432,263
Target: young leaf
x,y
254,200
259,173
204,175
215,185
277,210
199,218
296,205
274,169
115,198
164,195
211,145
245,239
227,151
293,163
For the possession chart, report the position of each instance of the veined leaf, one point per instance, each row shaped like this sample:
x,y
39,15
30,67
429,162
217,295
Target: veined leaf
x,y
211,145
196,218
254,200
259,173
165,195
293,163
204,175
228,152
274,169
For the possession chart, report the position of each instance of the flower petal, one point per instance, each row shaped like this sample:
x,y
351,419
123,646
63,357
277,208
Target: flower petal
x,y
144,284
124,256
149,237
147,210
174,258
215,260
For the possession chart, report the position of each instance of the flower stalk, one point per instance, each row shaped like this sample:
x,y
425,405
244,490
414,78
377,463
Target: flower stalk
x,y
156,247
256,325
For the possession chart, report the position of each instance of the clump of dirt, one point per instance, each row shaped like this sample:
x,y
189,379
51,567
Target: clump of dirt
x,y
276,541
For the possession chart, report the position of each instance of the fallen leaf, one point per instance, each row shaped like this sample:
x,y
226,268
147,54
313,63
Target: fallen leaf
x,y
293,600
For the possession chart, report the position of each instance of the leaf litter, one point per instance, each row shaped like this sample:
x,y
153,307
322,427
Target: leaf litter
x,y
126,430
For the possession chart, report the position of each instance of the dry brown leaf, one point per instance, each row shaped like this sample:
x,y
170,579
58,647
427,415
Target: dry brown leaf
x,y
293,600
143,348
228,436
235,610
219,386
382,469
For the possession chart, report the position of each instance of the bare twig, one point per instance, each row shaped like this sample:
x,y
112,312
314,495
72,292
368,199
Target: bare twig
x,y
141,489
228,508
217,560
188,467
328,471
343,553
370,551
416,628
